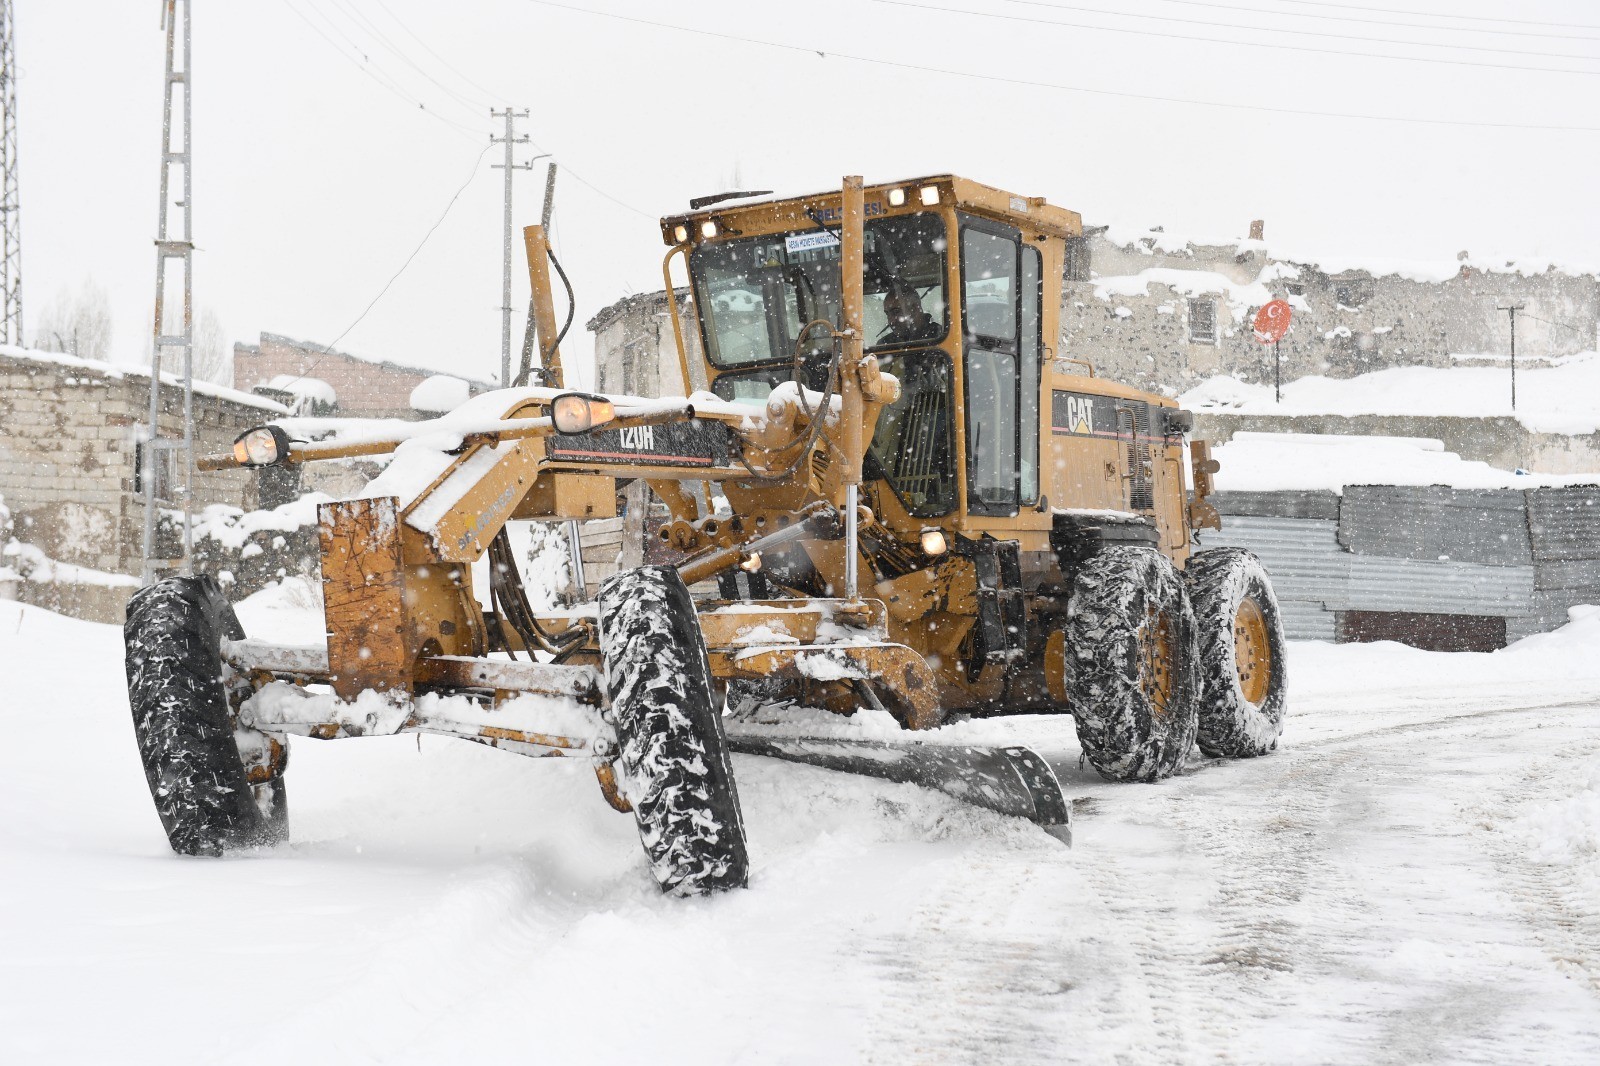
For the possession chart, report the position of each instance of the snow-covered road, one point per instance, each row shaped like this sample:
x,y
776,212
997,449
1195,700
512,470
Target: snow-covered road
x,y
1413,877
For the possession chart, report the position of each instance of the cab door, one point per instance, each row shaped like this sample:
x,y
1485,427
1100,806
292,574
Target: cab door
x,y
1000,293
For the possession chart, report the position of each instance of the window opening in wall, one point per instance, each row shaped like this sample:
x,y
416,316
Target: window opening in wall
x,y
166,469
1203,321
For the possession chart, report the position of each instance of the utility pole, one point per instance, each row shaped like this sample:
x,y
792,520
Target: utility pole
x,y
510,140
544,222
10,212
1512,311
174,246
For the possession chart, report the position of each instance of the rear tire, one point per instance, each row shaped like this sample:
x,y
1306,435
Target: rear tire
x,y
674,762
1131,679
187,737
1242,666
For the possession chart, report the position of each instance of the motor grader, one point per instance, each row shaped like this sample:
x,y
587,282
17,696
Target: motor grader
x,y
914,504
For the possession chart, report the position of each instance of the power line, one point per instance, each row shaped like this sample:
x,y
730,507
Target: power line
x,y
1563,325
1276,47
353,13
366,67
1034,84
487,95
1435,14
328,348
1318,33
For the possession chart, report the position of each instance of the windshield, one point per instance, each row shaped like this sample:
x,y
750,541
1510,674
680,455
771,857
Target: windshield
x,y
756,294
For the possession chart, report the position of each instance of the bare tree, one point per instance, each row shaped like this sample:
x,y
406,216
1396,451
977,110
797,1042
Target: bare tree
x,y
78,323
213,353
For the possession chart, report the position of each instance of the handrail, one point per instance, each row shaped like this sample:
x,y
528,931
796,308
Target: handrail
x,y
672,306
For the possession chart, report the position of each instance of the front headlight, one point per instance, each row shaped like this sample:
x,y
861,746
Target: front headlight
x,y
573,412
262,446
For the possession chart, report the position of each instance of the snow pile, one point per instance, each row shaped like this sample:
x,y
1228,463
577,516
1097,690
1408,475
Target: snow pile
x,y
1559,398
1566,831
1270,462
232,527
311,394
440,393
19,561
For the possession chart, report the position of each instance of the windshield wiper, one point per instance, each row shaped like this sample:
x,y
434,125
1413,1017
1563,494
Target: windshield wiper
x,y
823,226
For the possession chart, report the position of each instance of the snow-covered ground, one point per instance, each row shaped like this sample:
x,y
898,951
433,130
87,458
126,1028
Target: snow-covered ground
x,y
1557,398
1413,877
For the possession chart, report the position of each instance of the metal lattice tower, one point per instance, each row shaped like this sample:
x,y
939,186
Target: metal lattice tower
x,y
10,214
174,248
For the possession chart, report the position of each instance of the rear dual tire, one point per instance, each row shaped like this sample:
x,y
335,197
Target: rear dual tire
x,y
1130,664
1242,666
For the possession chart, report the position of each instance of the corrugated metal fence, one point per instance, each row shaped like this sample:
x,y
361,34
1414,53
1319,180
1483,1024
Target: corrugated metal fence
x,y
1522,556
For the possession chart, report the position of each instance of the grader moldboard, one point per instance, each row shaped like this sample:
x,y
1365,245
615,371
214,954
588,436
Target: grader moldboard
x,y
930,512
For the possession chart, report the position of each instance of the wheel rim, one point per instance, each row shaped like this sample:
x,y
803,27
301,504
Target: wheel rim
x,y
1156,646
1252,651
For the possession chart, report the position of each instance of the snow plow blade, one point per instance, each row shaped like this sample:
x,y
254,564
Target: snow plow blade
x,y
1013,781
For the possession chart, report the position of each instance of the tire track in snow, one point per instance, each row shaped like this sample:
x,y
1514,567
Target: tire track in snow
x,y
988,969
1562,911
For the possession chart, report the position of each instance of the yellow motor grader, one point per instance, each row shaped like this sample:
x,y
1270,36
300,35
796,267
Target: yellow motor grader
x,y
924,508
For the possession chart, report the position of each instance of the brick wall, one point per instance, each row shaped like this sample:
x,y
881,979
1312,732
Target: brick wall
x,y
364,387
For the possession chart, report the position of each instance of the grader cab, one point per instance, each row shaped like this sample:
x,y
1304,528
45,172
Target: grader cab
x,y
923,511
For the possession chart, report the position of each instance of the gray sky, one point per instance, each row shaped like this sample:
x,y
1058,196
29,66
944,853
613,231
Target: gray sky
x,y
317,173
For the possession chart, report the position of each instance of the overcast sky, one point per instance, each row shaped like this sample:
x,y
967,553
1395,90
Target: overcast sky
x,y
331,134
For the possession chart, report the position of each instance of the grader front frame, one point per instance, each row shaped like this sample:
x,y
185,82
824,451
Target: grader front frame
x,y
927,513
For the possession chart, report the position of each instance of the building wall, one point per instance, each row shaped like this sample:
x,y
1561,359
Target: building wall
x,y
364,388
634,351
67,456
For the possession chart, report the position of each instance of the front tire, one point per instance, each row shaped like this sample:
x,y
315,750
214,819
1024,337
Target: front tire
x,y
1130,641
674,762
188,742
1242,667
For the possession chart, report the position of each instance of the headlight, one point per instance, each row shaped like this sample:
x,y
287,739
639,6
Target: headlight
x,y
573,412
680,234
708,229
262,446
933,542
897,197
929,195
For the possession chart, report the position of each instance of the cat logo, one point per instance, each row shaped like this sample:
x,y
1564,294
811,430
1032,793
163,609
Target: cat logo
x,y
1080,414
638,438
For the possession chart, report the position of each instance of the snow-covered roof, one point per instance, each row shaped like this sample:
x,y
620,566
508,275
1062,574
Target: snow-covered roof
x,y
1555,398
1276,462
120,370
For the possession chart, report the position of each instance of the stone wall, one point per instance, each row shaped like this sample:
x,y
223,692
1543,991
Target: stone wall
x,y
69,457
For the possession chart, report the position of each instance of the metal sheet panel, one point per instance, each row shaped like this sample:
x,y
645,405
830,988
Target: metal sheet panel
x,y
1289,504
1302,556
1567,574
1306,621
1383,584
1434,523
1565,523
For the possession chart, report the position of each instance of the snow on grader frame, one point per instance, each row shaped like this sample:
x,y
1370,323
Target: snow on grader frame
x,y
931,513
